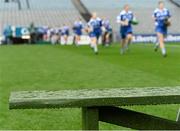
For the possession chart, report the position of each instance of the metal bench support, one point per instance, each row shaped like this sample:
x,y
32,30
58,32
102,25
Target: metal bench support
x,y
90,118
102,105
178,117
125,118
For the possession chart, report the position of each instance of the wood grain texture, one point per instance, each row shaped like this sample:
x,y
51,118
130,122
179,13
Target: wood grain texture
x,y
94,97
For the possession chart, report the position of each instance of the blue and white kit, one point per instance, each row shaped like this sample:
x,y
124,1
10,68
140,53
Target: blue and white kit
x,y
125,29
160,17
95,26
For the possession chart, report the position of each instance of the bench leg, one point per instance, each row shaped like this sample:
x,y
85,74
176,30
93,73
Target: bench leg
x,y
178,117
135,120
90,118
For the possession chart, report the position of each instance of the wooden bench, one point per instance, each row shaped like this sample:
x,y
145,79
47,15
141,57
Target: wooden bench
x,y
104,105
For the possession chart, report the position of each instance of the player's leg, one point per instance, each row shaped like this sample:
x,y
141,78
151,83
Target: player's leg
x,y
103,38
77,39
129,40
123,41
123,44
107,39
66,39
60,39
161,43
156,45
98,37
91,36
94,44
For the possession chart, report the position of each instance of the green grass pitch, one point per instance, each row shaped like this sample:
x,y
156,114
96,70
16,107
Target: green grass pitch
x,y
47,67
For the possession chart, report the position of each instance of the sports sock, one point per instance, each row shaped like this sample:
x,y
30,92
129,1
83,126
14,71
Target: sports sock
x,y
163,51
122,51
127,47
95,48
157,45
156,42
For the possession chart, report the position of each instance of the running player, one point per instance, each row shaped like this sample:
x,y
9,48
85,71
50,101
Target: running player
x,y
77,28
125,19
94,29
162,22
65,33
107,32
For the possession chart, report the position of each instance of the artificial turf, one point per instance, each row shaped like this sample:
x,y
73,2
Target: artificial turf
x,y
47,67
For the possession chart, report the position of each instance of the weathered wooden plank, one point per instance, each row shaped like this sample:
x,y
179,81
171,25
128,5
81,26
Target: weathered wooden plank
x,y
135,120
88,98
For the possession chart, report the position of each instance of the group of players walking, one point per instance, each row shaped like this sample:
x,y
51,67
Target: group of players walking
x,y
126,20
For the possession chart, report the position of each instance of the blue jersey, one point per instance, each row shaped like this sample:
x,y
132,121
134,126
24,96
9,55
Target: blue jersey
x,y
65,30
57,31
160,17
46,29
95,25
52,31
41,30
107,26
78,26
125,16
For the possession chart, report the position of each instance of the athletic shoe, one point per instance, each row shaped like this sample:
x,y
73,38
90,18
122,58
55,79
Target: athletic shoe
x,y
156,48
165,55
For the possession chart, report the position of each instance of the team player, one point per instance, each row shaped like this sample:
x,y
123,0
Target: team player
x,y
162,21
65,33
55,38
125,19
77,28
107,32
95,31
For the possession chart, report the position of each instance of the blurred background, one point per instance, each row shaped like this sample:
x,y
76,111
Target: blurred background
x,y
54,13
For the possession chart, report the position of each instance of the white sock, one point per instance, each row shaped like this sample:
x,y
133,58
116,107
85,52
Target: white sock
x,y
157,44
163,51
122,51
127,46
95,48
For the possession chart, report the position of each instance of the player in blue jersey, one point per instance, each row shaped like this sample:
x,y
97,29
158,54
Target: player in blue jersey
x,y
125,19
161,17
107,32
77,28
95,31
58,35
65,33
